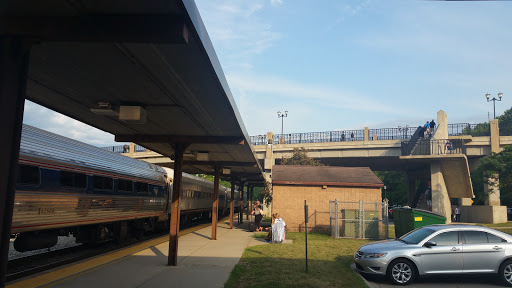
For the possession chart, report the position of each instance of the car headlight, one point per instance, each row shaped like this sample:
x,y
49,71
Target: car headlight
x,y
374,255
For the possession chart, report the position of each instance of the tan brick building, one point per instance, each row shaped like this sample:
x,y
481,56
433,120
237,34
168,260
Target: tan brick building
x,y
318,185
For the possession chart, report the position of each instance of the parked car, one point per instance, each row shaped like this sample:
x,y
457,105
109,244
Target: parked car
x,y
390,211
439,249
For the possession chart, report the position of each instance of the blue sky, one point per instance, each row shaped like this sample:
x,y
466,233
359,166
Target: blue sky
x,y
338,65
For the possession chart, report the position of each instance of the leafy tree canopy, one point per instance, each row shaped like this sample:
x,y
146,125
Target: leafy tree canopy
x,y
396,186
505,121
211,178
300,158
483,129
497,163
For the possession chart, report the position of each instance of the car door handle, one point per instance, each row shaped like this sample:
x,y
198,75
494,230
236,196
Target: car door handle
x,y
497,248
454,249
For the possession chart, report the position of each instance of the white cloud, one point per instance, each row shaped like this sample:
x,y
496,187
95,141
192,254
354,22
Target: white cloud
x,y
46,119
276,2
285,89
237,31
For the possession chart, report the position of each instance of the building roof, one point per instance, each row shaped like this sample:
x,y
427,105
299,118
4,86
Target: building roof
x,y
325,175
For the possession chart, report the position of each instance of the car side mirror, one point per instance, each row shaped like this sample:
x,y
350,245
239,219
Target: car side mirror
x,y
429,244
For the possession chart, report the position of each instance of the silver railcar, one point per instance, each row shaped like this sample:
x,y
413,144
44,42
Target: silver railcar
x,y
68,187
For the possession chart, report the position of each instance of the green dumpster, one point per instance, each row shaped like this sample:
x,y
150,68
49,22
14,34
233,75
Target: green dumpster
x,y
408,219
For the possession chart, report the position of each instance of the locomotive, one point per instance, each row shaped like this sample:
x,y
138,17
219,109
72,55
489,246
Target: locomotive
x,y
66,187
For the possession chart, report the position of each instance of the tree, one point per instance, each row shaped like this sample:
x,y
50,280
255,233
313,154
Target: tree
x,y
396,186
505,123
481,129
266,193
211,178
497,163
300,158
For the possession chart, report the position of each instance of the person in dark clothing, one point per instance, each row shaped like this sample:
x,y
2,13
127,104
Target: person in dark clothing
x,y
432,125
422,132
257,212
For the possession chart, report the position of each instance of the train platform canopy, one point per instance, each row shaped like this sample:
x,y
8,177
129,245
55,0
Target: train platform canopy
x,y
145,71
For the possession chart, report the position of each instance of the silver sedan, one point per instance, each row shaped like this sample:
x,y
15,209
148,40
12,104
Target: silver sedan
x,y
439,249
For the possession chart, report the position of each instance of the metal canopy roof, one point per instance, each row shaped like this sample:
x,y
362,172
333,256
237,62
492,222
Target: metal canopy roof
x,y
153,54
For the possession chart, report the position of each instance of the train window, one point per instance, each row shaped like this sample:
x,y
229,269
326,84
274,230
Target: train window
x,y
28,174
124,185
72,179
105,183
142,187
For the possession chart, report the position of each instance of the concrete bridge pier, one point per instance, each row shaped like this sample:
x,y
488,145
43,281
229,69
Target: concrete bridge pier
x,y
492,211
269,160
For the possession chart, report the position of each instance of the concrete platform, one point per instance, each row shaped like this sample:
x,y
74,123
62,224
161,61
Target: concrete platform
x,y
201,263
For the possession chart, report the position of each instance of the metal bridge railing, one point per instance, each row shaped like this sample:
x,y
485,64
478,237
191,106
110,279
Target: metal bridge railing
x,y
458,129
121,148
392,133
438,147
319,137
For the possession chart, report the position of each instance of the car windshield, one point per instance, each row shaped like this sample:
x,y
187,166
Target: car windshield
x,y
415,236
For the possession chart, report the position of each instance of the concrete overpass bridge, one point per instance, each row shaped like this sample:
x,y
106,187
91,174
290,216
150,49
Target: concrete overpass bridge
x,y
399,149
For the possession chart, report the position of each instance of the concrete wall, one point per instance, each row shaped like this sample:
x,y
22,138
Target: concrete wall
x,y
288,201
483,214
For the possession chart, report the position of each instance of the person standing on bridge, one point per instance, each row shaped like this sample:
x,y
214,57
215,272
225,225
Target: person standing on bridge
x,y
352,136
432,125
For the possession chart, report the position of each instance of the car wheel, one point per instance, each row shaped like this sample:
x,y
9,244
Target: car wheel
x,y
402,272
505,272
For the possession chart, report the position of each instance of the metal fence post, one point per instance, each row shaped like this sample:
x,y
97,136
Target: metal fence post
x,y
385,205
336,219
362,220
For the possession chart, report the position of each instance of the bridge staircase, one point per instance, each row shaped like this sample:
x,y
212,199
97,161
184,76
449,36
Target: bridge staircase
x,y
420,199
408,147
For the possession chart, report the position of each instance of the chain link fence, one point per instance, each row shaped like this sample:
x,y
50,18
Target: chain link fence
x,y
362,220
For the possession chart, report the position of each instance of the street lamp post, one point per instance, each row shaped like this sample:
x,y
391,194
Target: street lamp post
x,y
281,115
385,194
488,96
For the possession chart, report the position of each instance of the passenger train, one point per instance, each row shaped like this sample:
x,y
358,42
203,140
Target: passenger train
x,y
66,187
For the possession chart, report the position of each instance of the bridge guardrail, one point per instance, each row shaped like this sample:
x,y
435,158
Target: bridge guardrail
x,y
458,129
406,132
319,137
121,148
437,147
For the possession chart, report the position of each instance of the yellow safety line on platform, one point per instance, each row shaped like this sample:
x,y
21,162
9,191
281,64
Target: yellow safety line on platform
x,y
63,274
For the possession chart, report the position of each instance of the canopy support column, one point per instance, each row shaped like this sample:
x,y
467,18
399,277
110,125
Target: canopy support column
x,y
215,208
175,205
14,59
232,204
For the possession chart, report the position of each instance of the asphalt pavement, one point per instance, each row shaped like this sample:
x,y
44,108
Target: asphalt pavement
x,y
448,281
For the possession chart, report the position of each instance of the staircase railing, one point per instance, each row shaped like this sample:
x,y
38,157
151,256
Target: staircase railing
x,y
408,146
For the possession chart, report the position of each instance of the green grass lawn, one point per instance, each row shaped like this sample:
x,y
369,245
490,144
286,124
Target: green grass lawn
x,y
284,265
